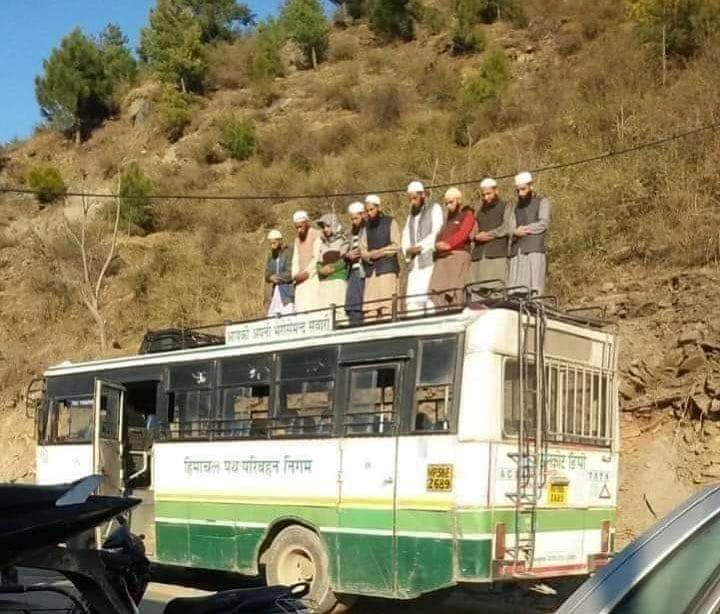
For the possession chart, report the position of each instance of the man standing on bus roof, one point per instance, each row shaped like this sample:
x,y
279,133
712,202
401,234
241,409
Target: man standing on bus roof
x,y
278,275
491,249
379,247
452,251
418,244
530,222
304,264
330,258
356,271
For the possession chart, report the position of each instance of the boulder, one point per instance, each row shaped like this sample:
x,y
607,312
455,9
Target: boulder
x,y
688,335
694,360
139,111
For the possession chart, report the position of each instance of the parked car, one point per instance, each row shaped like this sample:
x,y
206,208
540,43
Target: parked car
x,y
672,568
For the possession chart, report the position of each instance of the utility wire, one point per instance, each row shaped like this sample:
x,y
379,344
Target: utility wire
x,y
286,197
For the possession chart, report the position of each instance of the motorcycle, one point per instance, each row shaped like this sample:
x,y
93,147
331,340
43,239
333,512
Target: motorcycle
x,y
37,526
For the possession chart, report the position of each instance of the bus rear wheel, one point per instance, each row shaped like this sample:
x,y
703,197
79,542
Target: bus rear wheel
x,y
297,555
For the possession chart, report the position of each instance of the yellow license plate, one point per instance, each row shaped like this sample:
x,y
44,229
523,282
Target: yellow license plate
x,y
557,494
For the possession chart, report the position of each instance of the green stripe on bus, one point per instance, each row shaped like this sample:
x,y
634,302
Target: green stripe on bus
x,y
469,521
359,562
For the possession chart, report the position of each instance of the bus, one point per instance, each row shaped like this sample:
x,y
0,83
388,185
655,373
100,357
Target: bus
x,y
470,446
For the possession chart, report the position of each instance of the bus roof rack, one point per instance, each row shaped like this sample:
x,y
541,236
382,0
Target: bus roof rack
x,y
493,294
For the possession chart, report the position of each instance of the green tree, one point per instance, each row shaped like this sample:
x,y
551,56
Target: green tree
x,y
172,45
238,138
134,194
466,34
391,19
678,28
352,8
219,19
266,62
305,23
74,91
480,93
508,10
174,112
47,183
120,65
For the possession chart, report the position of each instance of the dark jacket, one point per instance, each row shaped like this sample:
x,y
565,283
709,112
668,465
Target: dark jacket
x,y
282,267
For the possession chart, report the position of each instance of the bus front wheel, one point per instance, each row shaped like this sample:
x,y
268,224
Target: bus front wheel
x,y
297,555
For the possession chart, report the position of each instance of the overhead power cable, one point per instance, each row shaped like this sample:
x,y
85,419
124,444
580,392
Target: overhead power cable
x,y
322,196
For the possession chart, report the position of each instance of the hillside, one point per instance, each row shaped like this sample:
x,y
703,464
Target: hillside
x,y
636,232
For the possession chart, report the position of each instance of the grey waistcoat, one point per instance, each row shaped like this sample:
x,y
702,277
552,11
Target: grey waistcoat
x,y
525,214
420,226
488,218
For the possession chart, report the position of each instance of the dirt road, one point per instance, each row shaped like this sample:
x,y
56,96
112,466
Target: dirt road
x,y
457,602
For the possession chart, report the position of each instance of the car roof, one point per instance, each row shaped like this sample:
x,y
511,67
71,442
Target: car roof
x,y
603,591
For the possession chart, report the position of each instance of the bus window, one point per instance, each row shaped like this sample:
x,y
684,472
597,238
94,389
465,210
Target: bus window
x,y
304,393
579,402
371,403
435,383
244,409
511,389
190,412
245,404
71,421
190,401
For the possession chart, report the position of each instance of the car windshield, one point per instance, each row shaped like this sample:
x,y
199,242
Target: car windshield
x,y
674,585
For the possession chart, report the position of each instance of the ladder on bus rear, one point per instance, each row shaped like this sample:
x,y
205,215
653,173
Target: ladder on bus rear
x,y
529,456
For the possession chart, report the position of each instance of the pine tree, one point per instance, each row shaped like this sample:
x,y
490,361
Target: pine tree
x,y
172,45
679,28
305,23
120,65
219,19
391,18
74,91
351,8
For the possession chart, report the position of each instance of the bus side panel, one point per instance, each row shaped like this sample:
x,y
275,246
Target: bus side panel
x,y
428,479
474,526
60,464
567,533
216,501
364,536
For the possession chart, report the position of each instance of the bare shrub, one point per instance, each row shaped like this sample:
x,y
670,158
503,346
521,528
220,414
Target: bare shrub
x,y
340,93
343,49
228,64
382,105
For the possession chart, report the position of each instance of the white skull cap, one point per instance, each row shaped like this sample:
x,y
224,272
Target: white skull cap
x,y
523,178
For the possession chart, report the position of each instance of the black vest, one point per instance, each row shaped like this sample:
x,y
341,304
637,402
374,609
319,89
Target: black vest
x,y
378,236
489,217
528,213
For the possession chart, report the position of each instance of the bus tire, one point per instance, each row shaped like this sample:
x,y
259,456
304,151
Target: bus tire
x,y
297,555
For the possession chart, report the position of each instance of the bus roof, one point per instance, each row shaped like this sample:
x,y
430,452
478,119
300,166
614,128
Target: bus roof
x,y
429,325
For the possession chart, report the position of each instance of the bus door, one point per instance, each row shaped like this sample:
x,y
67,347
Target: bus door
x,y
368,475
108,453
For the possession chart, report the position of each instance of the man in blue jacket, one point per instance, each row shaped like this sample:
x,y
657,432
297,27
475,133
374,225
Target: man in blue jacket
x,y
278,275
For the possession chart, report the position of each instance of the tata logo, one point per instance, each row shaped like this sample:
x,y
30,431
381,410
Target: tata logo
x,y
200,377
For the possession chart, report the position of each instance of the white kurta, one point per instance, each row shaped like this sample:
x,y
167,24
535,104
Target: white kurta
x,y
306,293
418,282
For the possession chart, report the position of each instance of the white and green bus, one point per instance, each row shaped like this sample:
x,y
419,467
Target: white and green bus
x,y
391,459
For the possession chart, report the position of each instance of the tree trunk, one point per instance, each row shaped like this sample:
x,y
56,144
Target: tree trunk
x,y
314,58
78,136
94,310
664,45
182,85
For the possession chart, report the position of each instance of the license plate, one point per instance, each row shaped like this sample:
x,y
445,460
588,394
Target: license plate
x,y
557,494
